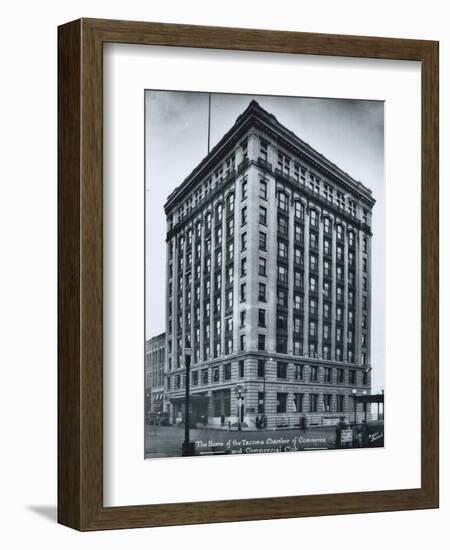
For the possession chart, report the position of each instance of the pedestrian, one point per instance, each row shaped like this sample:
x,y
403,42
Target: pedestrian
x,y
258,422
222,420
303,422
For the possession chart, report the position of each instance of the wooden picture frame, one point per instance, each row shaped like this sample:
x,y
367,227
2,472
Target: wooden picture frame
x,y
80,272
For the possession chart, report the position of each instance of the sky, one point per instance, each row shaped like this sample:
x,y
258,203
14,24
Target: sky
x,y
349,132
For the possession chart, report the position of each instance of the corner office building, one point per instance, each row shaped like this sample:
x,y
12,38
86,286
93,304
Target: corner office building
x,y
269,280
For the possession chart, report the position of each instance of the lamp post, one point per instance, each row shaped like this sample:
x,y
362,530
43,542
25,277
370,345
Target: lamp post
x,y
354,403
365,407
187,448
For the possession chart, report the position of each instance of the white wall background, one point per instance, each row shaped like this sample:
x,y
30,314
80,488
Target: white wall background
x,y
28,272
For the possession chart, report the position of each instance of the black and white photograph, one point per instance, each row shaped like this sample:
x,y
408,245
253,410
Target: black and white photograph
x,y
264,274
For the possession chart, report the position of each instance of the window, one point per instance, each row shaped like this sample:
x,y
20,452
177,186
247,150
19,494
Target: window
x,y
339,293
298,402
261,342
282,250
352,377
365,216
340,376
298,302
340,253
298,256
281,402
218,281
326,331
281,344
313,218
230,227
229,324
339,273
298,347
339,232
313,284
298,234
219,212
244,190
215,375
230,299
326,352
243,267
313,240
314,401
262,189
351,238
261,368
227,372
281,297
312,329
261,317
327,247
230,252
327,402
243,315
244,241
338,334
365,265
242,342
326,288
283,163
241,369
230,203
338,354
244,215
299,372
281,321
327,375
205,376
313,307
314,374
298,279
283,202
298,325
195,378
299,210
262,292
282,274
262,241
244,146
313,262
283,227
263,215
340,403
262,267
230,275
243,292
263,146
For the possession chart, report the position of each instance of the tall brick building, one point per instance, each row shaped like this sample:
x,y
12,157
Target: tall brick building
x,y
268,280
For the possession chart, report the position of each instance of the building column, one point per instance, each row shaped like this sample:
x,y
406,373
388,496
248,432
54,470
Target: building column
x,y
320,289
333,292
290,319
345,335
306,285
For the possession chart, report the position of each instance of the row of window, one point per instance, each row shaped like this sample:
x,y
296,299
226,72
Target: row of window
x,y
284,371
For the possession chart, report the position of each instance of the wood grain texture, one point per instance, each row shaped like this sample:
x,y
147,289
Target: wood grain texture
x,y
80,242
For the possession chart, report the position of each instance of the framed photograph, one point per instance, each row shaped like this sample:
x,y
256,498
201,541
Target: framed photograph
x,y
248,274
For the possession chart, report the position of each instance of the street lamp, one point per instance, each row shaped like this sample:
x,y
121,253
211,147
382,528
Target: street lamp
x,y
354,403
365,407
187,448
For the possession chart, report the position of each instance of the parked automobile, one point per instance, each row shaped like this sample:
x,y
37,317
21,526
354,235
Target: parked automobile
x,y
163,419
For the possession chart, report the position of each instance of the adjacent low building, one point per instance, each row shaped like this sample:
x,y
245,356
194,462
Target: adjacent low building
x,y
268,281
154,373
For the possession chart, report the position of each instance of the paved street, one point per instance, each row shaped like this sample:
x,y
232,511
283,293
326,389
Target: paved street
x,y
165,441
